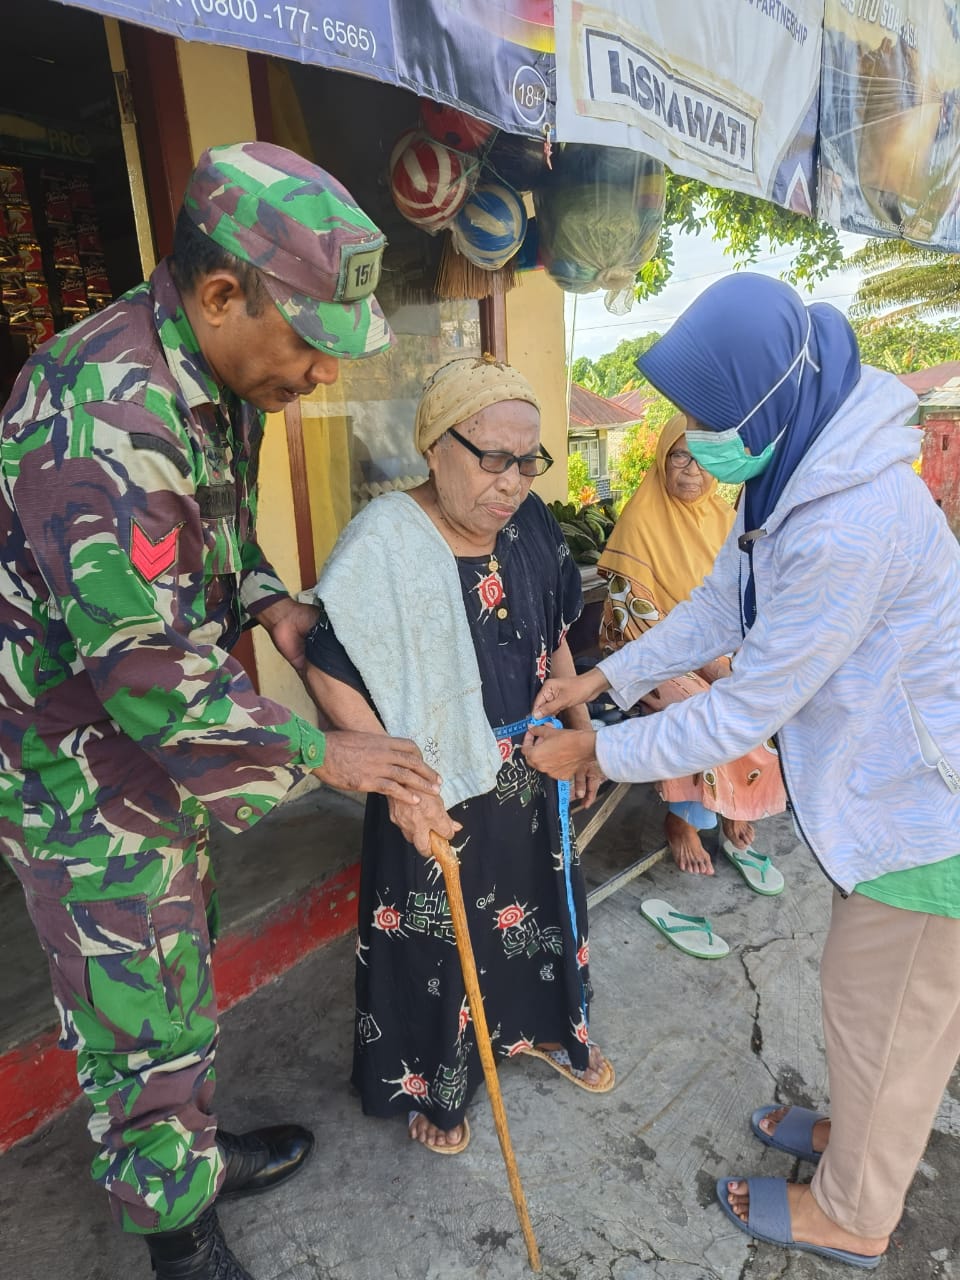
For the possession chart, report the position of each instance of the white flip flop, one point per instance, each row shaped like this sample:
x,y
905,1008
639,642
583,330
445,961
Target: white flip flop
x,y
757,869
691,934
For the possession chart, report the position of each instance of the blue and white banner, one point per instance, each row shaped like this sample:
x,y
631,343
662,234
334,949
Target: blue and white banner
x,y
721,90
492,58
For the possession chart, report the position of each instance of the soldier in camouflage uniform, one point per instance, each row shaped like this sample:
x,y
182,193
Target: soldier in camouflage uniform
x,y
128,567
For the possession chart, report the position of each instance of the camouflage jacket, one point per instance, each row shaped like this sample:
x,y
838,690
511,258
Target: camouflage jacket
x,y
128,565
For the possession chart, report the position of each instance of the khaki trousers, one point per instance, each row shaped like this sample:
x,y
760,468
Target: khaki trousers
x,y
890,980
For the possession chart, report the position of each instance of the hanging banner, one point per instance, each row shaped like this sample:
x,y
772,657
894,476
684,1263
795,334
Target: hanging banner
x,y
890,119
721,90
492,58
349,35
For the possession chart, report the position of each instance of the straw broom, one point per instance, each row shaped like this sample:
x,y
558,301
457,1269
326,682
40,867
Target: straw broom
x,y
447,859
458,277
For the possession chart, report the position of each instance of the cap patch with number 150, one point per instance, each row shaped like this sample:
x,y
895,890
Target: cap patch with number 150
x,y
359,271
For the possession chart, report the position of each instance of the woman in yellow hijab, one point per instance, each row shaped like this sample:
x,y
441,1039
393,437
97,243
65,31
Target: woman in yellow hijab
x,y
663,546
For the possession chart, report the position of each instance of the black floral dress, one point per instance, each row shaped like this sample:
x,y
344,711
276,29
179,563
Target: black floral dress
x,y
414,1045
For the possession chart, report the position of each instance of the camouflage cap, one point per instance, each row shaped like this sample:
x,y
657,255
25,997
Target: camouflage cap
x,y
318,252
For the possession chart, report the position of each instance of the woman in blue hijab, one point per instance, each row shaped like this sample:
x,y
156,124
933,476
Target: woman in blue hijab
x,y
763,374
839,591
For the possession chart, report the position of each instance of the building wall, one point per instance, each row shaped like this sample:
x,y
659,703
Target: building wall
x,y
536,345
216,90
940,460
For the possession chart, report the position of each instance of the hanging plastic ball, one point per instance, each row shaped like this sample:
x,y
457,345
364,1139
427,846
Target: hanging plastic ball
x,y
454,128
490,227
429,181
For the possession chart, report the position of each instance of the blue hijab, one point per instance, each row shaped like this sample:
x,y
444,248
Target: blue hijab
x,y
749,353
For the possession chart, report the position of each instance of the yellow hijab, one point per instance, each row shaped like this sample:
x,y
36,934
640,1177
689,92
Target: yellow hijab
x,y
663,544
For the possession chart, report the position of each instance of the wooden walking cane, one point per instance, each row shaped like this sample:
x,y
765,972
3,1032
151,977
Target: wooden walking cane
x,y
447,859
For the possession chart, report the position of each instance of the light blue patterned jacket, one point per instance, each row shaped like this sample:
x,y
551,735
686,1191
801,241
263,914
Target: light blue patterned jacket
x,y
853,661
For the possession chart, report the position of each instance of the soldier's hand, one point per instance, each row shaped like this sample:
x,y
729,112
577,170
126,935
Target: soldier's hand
x,y
416,821
375,762
289,623
587,782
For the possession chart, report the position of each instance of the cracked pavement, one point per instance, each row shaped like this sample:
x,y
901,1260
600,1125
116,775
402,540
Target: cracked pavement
x,y
619,1186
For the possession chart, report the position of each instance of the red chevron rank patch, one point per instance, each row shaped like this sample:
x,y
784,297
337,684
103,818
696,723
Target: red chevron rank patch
x,y
152,558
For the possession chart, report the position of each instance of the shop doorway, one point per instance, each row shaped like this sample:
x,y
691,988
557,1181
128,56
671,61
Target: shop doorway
x,y
68,241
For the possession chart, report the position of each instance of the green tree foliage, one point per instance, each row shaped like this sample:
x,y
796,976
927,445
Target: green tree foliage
x,y
746,226
584,373
907,345
578,477
640,445
617,370
903,282
634,459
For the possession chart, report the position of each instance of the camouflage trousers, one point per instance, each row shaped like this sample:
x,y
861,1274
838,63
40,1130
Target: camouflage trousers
x,y
128,944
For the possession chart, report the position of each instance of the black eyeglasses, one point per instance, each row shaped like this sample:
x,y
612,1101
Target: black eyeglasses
x,y
681,459
530,464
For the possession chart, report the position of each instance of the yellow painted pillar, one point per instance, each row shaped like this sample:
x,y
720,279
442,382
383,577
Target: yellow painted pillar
x,y
536,345
219,102
216,90
131,147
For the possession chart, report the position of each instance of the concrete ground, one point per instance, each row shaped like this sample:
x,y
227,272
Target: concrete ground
x,y
620,1186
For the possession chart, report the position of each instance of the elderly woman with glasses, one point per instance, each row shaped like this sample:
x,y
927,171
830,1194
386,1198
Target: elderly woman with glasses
x,y
663,546
443,610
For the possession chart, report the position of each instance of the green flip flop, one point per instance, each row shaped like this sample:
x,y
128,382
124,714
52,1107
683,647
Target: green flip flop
x,y
757,869
691,934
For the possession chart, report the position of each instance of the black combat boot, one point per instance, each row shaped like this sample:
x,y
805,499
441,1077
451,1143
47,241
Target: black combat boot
x,y
196,1252
262,1158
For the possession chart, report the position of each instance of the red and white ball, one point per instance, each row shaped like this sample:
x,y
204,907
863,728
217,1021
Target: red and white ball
x,y
453,127
429,182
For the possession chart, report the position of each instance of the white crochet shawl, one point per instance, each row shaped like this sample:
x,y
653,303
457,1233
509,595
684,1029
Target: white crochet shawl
x,y
391,590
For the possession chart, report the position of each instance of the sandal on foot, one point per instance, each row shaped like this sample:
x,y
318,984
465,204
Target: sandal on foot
x,y
794,1133
559,1059
702,942
756,868
445,1150
769,1220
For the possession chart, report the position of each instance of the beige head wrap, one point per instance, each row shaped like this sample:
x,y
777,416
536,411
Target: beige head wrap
x,y
462,388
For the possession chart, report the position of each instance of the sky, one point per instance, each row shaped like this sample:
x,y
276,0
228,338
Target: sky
x,y
699,262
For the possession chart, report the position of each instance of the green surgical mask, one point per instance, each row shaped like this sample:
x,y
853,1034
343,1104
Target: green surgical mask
x,y
722,453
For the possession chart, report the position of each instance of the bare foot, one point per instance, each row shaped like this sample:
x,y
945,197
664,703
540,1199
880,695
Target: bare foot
x,y
821,1130
808,1223
738,832
421,1130
686,846
595,1072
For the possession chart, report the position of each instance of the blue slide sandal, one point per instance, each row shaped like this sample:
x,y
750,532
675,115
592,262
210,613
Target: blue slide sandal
x,y
794,1132
769,1221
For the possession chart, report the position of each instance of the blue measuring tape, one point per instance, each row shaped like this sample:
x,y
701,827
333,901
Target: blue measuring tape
x,y
566,843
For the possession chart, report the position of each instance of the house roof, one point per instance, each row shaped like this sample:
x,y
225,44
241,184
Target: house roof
x,y
926,380
944,397
587,409
635,401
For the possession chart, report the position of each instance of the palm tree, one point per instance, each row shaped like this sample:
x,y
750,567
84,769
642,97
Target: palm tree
x,y
904,281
